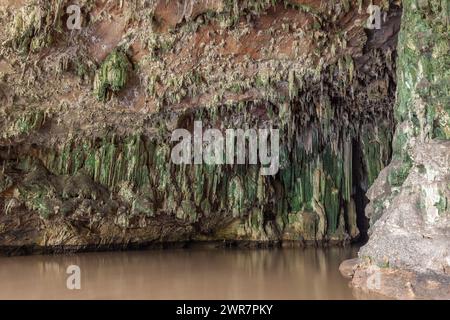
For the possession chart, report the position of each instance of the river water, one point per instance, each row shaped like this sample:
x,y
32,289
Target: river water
x,y
196,273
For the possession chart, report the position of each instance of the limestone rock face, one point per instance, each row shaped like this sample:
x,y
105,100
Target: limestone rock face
x,y
409,202
414,228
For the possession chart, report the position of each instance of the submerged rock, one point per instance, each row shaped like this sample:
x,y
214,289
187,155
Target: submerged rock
x,y
347,268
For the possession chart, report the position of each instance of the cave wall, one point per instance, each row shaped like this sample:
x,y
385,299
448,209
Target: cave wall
x,y
87,115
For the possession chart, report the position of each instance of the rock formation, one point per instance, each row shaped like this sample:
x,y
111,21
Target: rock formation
x,y
87,116
408,253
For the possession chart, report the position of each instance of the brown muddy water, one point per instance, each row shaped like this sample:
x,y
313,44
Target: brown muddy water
x,y
195,273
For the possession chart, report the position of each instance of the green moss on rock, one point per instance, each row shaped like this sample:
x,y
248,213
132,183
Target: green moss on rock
x,y
112,74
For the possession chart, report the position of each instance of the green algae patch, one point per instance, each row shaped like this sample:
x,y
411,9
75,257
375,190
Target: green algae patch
x,y
112,74
399,174
443,204
424,53
25,123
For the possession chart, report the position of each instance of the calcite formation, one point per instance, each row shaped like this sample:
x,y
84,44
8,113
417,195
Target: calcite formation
x,y
87,116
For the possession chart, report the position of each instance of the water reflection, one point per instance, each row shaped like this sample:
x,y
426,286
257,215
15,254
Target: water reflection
x,y
181,274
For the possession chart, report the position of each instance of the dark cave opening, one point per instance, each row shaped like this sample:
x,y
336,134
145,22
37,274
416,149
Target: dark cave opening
x,y
359,192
